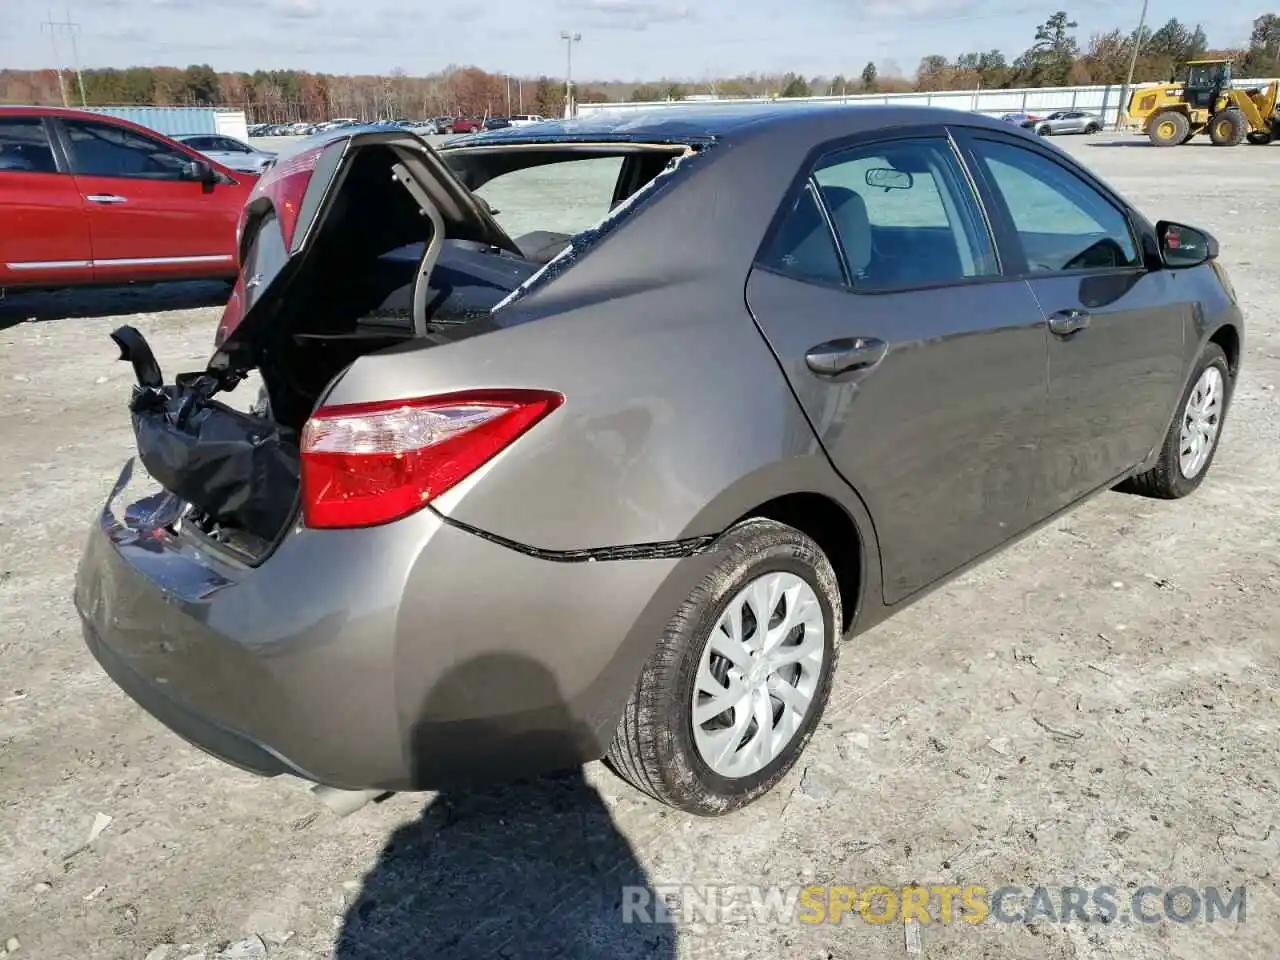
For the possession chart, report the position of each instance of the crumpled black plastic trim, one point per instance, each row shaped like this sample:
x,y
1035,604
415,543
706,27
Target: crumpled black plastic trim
x,y
661,550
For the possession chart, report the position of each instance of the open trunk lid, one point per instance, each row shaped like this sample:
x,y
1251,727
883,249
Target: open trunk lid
x,y
373,211
291,203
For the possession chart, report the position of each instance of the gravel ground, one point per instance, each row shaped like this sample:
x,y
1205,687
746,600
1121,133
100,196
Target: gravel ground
x,y
1098,705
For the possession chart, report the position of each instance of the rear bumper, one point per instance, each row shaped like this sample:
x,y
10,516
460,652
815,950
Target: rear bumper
x,y
411,656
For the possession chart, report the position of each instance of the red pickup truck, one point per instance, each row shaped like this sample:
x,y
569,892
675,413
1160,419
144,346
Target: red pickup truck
x,y
86,198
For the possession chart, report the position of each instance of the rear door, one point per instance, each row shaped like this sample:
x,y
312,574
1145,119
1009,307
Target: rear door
x,y
146,215
921,368
44,234
1116,328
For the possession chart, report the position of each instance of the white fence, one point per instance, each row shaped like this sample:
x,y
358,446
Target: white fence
x,y
1102,100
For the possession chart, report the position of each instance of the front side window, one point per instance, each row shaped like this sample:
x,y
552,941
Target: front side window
x,y
105,150
24,146
905,215
227,145
1064,224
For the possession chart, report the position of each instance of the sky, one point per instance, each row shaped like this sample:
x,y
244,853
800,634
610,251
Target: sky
x,y
621,39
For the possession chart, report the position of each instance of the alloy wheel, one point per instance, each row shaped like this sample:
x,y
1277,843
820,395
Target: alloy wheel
x,y
758,674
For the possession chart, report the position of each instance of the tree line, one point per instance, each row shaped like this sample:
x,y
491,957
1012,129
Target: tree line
x,y
1055,57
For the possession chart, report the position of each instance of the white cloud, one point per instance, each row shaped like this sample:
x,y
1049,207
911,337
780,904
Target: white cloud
x,y
296,9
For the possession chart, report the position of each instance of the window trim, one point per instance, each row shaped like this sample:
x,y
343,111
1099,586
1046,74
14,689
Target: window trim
x,y
831,148
173,146
1007,232
60,165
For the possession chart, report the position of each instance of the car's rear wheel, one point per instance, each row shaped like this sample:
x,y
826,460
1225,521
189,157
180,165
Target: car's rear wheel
x,y
1192,439
740,677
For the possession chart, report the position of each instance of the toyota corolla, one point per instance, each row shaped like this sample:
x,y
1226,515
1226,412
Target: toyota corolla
x,y
523,492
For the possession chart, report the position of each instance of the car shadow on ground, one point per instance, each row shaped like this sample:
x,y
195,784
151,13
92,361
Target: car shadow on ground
x,y
73,302
535,868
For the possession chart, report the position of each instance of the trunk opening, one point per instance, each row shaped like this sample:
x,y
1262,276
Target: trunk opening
x,y
386,246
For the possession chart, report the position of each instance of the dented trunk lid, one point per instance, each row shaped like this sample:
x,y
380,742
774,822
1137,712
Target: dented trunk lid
x,y
290,204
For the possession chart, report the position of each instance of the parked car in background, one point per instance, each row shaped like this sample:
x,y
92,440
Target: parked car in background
x,y
228,151
496,123
504,511
465,125
86,198
1019,119
526,119
1064,121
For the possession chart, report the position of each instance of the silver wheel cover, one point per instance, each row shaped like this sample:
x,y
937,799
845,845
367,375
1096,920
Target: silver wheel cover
x,y
1201,421
758,675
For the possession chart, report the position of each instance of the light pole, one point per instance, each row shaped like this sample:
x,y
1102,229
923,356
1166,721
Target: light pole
x,y
1133,60
570,39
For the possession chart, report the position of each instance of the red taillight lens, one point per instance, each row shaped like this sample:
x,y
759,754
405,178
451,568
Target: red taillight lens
x,y
232,313
366,464
285,184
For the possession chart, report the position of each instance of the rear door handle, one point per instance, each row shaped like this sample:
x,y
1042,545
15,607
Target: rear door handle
x,y
845,355
1066,322
105,198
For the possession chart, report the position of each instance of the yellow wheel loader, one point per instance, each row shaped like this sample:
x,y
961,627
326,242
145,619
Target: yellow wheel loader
x,y
1206,102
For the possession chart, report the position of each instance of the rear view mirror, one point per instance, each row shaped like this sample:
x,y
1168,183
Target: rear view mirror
x,y
1183,246
889,179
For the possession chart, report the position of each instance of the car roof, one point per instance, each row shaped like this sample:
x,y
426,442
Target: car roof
x,y
725,122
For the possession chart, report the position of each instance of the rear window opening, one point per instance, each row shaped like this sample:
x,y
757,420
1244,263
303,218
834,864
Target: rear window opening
x,y
372,275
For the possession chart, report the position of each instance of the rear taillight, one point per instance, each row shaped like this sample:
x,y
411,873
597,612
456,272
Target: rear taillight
x,y
232,313
285,184
366,464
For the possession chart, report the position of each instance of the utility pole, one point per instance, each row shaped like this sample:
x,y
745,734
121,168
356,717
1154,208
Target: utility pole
x,y
71,29
570,39
51,26
1133,61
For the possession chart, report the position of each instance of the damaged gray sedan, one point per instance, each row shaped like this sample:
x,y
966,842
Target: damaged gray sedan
x,y
523,492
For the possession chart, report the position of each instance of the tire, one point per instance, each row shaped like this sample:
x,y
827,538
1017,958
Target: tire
x,y
1091,129
1258,139
1228,128
656,747
1168,128
1167,479
1045,131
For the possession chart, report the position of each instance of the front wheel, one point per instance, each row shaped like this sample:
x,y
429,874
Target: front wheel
x,y
1192,440
1092,129
740,677
1227,128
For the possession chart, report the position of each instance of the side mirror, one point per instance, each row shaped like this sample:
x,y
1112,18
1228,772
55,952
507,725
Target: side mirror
x,y
1183,246
200,171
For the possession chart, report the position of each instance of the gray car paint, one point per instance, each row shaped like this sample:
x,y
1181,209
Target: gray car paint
x,y
365,658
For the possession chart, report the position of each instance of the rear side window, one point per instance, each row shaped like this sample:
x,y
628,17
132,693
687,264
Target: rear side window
x,y
802,247
905,215
105,150
24,146
1063,222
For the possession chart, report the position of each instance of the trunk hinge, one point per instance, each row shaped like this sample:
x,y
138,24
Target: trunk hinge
x,y
428,209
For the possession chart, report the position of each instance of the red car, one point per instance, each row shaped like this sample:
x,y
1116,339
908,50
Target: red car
x,y
86,198
466,125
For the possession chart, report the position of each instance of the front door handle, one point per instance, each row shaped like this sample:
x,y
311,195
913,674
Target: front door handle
x,y
106,198
1066,322
845,355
